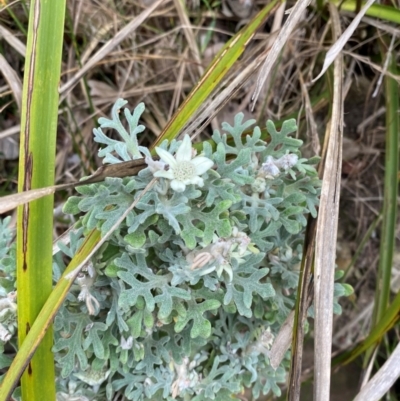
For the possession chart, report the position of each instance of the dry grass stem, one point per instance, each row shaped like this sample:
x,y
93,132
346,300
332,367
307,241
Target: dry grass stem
x,y
327,223
297,13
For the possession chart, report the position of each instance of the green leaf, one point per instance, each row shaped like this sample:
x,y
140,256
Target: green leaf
x,y
263,232
245,282
209,222
220,377
281,143
154,354
135,323
190,233
128,149
72,326
94,340
253,142
131,274
201,326
71,206
234,170
136,239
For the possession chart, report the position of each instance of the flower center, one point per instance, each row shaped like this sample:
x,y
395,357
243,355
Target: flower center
x,y
184,170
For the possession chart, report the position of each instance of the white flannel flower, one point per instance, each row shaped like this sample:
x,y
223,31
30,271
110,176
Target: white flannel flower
x,y
183,169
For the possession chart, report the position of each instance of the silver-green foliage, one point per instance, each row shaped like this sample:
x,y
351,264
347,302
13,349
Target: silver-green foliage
x,y
185,298
163,329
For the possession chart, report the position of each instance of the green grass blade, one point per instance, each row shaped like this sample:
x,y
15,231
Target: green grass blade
x,y
36,170
221,64
389,319
389,219
387,13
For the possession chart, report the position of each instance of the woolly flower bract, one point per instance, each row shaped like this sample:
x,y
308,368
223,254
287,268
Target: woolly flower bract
x,y
183,169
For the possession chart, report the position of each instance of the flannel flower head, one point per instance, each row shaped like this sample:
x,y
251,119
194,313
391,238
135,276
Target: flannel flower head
x,y
183,169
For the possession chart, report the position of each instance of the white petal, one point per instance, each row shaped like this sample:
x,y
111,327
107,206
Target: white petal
x,y
166,157
184,153
178,186
202,164
164,174
195,181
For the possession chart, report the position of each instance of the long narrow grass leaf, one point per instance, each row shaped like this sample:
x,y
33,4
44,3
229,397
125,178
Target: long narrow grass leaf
x,y
387,13
389,319
221,64
36,170
389,219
